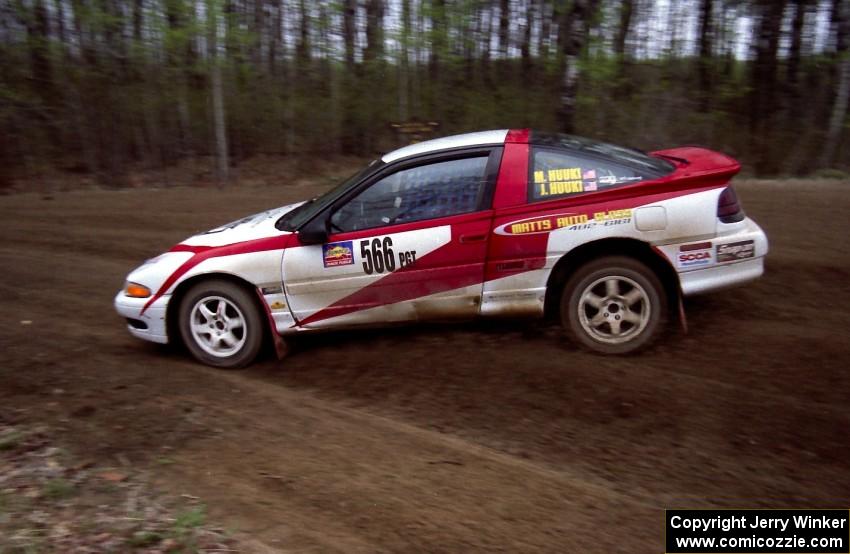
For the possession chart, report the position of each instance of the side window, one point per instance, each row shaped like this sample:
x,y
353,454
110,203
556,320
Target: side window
x,y
559,173
425,192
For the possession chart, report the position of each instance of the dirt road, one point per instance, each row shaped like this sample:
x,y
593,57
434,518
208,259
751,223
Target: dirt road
x,y
483,436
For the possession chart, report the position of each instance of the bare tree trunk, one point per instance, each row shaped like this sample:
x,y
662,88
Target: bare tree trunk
x,y
543,43
373,62
839,112
178,21
38,31
303,48
257,46
274,42
42,71
795,50
219,120
289,72
841,15
374,31
504,28
486,29
418,62
404,63
349,139
706,42
626,11
349,15
572,37
525,47
763,96
438,37
84,123
624,85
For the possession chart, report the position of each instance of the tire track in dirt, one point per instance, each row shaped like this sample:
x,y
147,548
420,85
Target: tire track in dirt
x,y
349,467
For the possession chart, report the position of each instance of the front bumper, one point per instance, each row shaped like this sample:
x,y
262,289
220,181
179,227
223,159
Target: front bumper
x,y
149,326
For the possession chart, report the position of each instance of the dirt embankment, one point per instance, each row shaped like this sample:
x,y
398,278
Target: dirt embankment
x,y
483,436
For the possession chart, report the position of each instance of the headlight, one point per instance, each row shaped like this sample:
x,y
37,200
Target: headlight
x,y
136,290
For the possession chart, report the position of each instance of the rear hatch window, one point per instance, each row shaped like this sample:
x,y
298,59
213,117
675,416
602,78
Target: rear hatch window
x,y
564,165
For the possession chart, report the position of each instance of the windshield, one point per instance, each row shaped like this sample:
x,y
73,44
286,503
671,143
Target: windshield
x,y
620,154
305,212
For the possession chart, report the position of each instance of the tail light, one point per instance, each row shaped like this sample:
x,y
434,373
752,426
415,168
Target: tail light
x,y
729,209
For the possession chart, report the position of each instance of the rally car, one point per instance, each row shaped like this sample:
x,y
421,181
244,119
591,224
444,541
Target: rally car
x,y
494,223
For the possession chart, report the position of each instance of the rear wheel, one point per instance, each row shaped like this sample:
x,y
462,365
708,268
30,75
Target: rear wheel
x,y
613,305
220,324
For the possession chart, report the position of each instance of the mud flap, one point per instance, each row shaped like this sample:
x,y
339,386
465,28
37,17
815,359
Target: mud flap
x,y
281,348
683,320
680,297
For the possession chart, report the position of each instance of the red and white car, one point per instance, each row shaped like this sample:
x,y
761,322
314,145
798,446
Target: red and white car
x,y
494,223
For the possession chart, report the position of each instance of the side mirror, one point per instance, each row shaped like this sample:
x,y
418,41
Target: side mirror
x,y
315,232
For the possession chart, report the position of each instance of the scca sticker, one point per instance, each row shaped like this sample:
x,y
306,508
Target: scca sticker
x,y
692,255
338,253
691,259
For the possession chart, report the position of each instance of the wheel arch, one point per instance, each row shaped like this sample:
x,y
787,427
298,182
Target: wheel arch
x,y
172,326
633,248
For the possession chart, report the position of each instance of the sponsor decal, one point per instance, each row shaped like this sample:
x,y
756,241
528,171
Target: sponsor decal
x,y
694,255
589,180
548,223
338,253
271,290
609,180
528,226
558,182
613,217
607,218
695,246
572,180
735,251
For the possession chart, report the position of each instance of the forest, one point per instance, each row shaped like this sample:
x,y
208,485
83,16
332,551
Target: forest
x,y
105,87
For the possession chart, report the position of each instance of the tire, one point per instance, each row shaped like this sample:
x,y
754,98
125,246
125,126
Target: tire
x,y
220,324
614,305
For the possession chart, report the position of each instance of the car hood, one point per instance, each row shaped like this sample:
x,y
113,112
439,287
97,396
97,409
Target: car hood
x,y
256,226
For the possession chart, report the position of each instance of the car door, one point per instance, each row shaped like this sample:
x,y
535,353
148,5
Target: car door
x,y
409,244
552,212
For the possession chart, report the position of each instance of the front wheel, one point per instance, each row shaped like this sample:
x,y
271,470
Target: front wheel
x,y
220,324
613,305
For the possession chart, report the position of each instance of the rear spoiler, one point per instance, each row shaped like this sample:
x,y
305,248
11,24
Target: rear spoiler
x,y
694,161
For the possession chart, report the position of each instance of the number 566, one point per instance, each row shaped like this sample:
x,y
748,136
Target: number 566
x,y
377,255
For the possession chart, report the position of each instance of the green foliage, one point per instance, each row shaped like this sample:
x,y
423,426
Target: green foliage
x,y
142,539
10,440
104,100
600,69
831,173
58,489
185,521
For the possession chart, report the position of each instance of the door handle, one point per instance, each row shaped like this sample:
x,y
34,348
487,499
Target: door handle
x,y
465,239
